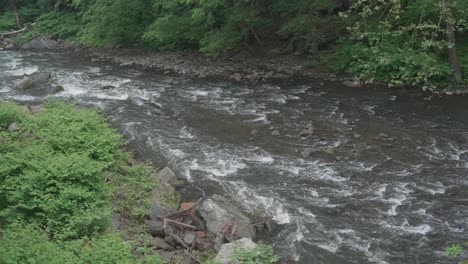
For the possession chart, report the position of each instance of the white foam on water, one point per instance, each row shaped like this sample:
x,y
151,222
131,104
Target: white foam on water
x,y
252,200
22,71
184,133
380,192
433,188
407,228
4,89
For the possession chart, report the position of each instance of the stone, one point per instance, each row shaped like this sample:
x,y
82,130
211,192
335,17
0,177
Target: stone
x,y
36,109
356,135
217,211
40,42
13,127
158,211
189,238
39,77
160,243
57,89
116,221
330,151
164,199
352,84
306,152
24,84
275,133
227,250
156,228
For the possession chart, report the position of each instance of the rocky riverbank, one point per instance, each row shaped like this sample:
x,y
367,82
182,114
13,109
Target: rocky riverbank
x,y
189,231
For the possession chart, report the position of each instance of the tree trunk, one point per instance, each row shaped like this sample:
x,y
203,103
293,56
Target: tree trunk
x,y
15,10
450,21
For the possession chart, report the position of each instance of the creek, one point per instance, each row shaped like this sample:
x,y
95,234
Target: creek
x,y
382,179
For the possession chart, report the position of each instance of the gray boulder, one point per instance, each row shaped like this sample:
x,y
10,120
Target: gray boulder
x,y
227,250
218,212
40,77
24,84
352,84
156,228
40,42
160,243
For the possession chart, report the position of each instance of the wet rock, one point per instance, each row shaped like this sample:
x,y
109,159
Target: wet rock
x,y
308,131
107,87
306,153
330,151
160,243
13,127
189,238
227,250
24,84
218,212
352,84
39,77
275,133
57,89
158,211
168,175
356,135
156,228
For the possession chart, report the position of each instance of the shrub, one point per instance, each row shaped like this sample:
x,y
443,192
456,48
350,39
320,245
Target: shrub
x,y
52,174
260,254
10,113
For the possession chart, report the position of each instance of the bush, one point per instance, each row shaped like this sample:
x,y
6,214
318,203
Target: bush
x,y
10,113
54,24
27,244
261,254
7,22
54,177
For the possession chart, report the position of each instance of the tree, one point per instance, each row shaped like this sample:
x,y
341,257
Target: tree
x,y
450,21
15,10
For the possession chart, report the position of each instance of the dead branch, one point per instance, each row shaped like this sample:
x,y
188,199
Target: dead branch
x,y
166,221
182,211
16,31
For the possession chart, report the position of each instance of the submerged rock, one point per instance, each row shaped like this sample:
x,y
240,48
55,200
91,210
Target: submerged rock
x,y
39,77
219,212
227,250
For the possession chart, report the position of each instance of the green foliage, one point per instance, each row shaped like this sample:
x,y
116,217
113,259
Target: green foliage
x,y
454,250
10,113
27,244
55,25
60,172
400,42
53,176
110,23
261,254
7,22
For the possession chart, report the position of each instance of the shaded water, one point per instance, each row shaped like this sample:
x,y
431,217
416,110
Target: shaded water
x,y
386,181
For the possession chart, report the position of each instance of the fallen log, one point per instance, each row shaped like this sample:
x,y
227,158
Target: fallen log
x,y
17,31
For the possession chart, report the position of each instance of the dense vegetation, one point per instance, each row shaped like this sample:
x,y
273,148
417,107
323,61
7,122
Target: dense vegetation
x,y
63,173
398,42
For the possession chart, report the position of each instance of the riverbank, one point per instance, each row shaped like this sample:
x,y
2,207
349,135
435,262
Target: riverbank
x,y
67,179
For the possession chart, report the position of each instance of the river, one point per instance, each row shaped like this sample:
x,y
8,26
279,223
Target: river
x,y
385,182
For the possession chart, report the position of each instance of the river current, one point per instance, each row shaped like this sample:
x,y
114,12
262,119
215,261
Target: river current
x,y
383,178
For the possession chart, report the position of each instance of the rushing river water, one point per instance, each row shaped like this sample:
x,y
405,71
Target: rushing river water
x,y
387,176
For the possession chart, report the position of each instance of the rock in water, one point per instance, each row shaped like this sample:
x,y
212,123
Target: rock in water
x,y
352,84
218,212
40,77
227,250
24,84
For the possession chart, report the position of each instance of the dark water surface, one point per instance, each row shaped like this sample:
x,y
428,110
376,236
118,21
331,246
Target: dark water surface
x,y
386,181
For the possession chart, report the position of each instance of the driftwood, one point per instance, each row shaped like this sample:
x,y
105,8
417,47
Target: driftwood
x,y
170,221
182,211
17,31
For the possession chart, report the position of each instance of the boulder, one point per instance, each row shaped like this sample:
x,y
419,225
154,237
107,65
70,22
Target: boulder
x,y
39,77
167,175
36,109
227,250
156,228
219,212
13,127
160,243
275,133
164,199
40,42
189,238
158,211
24,84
